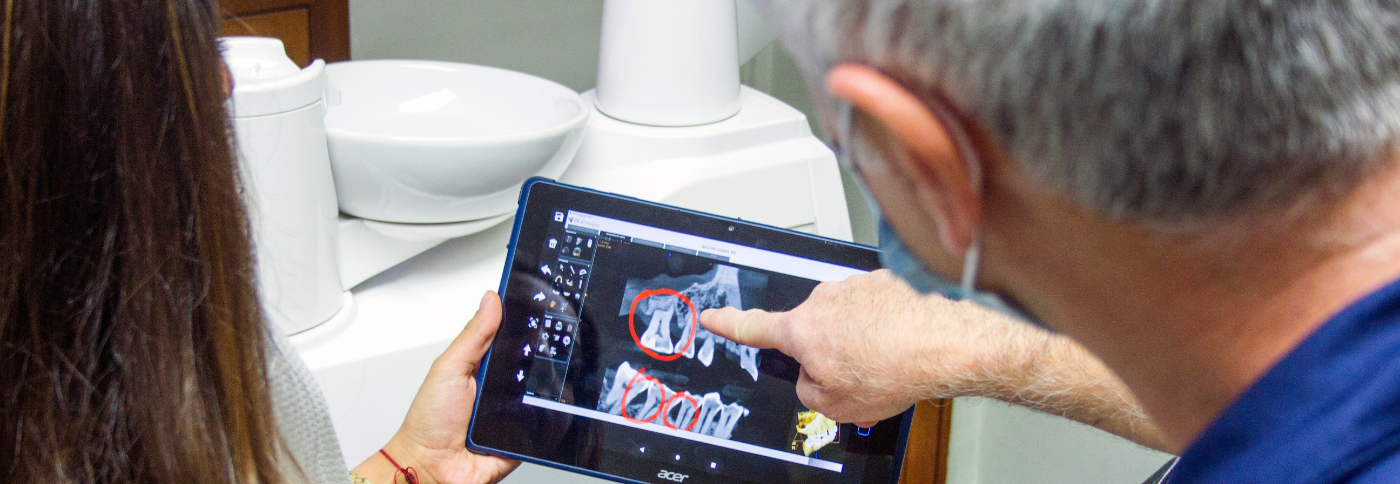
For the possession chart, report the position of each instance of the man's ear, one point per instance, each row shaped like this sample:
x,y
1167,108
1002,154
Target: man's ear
x,y
938,172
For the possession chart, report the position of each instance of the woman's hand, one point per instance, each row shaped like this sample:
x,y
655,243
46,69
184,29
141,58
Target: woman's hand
x,y
433,437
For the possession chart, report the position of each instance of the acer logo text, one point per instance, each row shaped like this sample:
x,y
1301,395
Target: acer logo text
x,y
672,476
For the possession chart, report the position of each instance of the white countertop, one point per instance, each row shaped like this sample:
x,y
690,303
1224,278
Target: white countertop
x,y
371,361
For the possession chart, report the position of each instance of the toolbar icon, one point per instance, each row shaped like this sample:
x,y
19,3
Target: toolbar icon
x,y
558,216
539,296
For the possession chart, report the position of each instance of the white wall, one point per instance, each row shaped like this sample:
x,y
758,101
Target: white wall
x,y
558,40
553,39
997,443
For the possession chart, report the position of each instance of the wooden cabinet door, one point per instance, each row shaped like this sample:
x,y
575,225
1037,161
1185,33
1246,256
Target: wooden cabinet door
x,y
926,454
310,29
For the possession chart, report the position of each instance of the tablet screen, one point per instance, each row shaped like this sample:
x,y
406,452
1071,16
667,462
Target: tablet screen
x,y
601,365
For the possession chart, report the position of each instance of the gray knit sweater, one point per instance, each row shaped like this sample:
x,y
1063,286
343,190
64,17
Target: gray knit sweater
x,y
302,417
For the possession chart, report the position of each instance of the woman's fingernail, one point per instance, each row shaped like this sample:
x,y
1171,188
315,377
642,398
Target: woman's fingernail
x,y
484,298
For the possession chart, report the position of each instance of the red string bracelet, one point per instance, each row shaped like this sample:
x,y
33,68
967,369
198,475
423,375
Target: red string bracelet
x,y
409,474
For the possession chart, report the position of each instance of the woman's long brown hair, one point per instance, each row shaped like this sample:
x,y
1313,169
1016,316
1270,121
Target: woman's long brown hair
x,y
131,341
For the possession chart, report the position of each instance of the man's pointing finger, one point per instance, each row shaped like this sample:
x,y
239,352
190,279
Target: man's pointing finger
x,y
756,328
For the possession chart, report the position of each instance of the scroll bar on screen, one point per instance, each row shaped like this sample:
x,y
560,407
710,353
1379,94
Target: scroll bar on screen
x,y
728,444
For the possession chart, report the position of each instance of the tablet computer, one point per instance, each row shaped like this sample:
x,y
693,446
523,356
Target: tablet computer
x,y
600,366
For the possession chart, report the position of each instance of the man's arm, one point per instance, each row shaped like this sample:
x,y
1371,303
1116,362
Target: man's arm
x,y
870,347
1065,379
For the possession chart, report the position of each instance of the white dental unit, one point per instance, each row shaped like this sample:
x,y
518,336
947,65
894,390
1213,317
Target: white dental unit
x,y
380,190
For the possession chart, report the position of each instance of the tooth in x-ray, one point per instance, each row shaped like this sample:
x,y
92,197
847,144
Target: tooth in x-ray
x,y
748,357
683,410
658,334
715,418
667,316
707,352
715,289
710,410
612,397
645,401
718,419
684,341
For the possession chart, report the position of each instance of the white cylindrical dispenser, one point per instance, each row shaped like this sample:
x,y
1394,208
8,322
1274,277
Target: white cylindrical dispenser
x,y
669,62
279,119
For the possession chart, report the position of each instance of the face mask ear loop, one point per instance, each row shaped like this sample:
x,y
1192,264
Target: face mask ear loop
x,y
974,171
845,118
845,125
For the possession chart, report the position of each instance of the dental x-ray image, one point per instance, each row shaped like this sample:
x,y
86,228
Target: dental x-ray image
x,y
639,397
642,354
666,303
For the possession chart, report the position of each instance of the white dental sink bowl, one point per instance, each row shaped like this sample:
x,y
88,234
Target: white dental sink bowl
x,y
427,142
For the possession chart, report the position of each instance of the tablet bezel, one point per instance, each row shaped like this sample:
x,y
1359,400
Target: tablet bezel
x,y
539,199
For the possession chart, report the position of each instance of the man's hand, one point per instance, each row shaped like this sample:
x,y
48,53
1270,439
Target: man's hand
x,y
433,437
870,346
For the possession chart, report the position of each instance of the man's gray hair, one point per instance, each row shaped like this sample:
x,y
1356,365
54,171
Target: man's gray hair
x,y
1171,112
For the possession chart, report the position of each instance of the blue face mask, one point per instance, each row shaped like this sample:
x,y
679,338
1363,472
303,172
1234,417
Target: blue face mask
x,y
905,265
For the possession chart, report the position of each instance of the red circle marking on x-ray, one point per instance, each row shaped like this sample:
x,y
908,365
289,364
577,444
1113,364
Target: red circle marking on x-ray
x,y
632,325
660,409
665,415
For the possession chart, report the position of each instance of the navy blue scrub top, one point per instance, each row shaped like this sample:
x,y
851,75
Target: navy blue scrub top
x,y
1329,412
